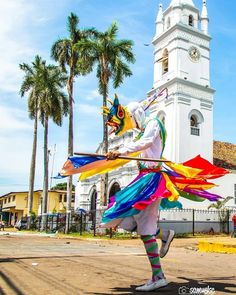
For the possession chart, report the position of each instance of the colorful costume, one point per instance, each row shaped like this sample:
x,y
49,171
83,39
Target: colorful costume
x,y
136,206
165,181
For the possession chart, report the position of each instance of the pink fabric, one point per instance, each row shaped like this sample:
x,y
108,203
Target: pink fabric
x,y
159,193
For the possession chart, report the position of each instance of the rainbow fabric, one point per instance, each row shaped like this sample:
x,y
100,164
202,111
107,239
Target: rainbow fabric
x,y
189,180
90,166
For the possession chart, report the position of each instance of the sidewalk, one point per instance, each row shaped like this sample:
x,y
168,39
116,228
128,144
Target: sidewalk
x,y
19,233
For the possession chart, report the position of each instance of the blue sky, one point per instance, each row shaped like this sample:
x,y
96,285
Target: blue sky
x,y
29,27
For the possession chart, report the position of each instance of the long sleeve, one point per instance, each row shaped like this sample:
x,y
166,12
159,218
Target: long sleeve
x,y
146,141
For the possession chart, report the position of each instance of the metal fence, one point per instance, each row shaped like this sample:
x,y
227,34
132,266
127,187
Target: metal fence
x,y
183,221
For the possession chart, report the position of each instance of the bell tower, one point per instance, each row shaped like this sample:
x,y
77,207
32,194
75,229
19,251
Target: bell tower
x,y
182,65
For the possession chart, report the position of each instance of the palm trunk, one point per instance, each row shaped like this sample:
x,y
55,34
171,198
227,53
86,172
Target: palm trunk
x,y
32,167
104,178
70,149
45,180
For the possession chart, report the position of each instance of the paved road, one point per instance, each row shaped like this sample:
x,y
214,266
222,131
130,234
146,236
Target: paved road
x,y
35,265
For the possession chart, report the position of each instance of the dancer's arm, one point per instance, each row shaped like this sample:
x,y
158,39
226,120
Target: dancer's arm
x,y
150,133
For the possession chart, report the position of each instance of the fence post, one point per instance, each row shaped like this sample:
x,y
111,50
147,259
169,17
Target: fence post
x,y
94,223
39,222
46,228
110,233
57,227
81,223
228,221
193,221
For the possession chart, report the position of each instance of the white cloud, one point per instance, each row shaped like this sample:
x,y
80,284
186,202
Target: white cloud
x,y
13,119
17,20
91,95
89,109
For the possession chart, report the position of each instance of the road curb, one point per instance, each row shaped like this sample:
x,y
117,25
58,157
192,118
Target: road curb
x,y
217,247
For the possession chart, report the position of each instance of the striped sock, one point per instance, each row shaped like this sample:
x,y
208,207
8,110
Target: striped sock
x,y
151,247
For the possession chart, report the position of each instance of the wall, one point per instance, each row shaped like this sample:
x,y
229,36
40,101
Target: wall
x,y
225,187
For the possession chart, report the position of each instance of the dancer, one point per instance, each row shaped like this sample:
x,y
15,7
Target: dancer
x,y
151,142
136,206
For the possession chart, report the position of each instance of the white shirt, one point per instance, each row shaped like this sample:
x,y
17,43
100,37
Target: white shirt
x,y
150,143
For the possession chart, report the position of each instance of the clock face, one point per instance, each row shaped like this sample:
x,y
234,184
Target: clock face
x,y
194,54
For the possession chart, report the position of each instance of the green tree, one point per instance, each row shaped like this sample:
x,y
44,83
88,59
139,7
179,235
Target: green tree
x,y
53,103
31,84
220,204
62,186
223,214
111,56
65,53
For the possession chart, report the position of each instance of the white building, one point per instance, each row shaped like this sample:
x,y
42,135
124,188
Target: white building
x,y
182,65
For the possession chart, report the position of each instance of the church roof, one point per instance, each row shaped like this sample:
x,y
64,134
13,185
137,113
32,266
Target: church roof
x,y
224,155
179,2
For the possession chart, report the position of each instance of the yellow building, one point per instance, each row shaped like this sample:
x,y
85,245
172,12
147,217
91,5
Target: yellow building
x,y
14,205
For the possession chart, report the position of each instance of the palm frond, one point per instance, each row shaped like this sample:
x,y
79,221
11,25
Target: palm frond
x,y
61,52
72,24
111,32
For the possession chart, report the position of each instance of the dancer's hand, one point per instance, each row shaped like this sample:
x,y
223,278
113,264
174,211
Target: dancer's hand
x,y
112,155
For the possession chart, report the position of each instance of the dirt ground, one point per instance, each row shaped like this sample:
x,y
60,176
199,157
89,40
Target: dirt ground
x,y
32,265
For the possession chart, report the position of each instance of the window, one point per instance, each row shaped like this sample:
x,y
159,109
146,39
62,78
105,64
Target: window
x,y
168,23
165,62
93,207
114,189
196,120
26,202
9,199
194,125
235,194
73,198
65,198
13,198
190,20
5,201
60,198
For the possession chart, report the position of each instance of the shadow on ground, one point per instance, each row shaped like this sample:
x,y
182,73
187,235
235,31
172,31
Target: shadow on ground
x,y
183,288
10,284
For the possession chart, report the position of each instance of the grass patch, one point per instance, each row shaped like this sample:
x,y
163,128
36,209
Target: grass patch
x,y
87,235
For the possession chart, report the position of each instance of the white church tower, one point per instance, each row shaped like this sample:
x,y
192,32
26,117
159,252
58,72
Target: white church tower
x,y
182,65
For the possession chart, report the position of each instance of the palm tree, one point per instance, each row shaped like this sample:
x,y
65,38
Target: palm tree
x,y
31,84
64,52
53,103
220,204
223,214
110,55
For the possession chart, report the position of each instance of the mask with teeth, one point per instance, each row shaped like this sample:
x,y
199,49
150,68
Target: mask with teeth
x,y
118,117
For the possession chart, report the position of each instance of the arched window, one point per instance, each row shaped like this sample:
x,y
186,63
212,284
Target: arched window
x,y
114,189
93,202
93,207
165,61
195,120
168,23
190,20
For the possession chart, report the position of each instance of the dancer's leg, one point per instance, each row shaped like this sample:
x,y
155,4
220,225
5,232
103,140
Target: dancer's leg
x,y
162,234
151,247
166,237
